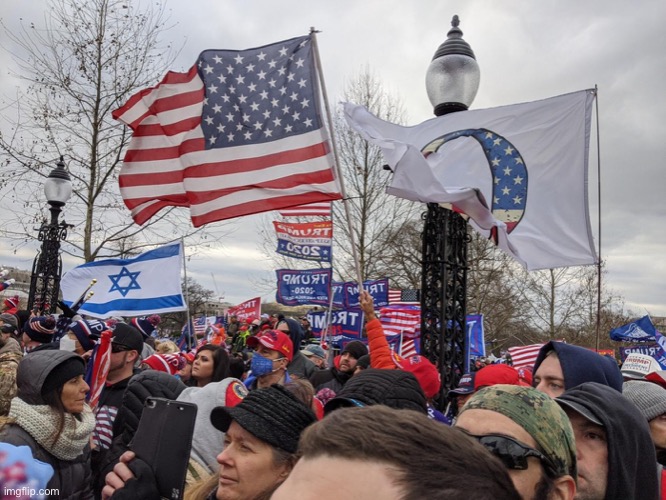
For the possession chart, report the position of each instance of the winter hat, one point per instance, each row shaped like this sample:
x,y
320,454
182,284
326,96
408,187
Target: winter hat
x,y
40,329
275,340
69,368
424,371
465,385
538,414
273,415
12,302
9,319
648,397
356,348
393,388
497,374
188,357
146,325
169,363
127,336
363,362
87,331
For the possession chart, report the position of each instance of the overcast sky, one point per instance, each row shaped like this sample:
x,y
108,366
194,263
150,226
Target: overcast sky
x,y
526,50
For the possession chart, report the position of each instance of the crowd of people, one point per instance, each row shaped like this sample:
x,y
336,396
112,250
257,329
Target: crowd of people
x,y
276,418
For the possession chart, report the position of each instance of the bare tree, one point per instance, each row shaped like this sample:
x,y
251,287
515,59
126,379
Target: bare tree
x,y
83,62
375,214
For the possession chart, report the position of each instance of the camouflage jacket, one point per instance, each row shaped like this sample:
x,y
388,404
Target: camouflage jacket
x,y
10,356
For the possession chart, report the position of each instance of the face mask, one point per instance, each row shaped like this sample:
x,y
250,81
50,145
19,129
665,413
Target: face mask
x,y
261,365
67,344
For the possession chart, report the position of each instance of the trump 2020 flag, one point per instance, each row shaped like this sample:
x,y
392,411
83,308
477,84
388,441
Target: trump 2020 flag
x,y
641,330
240,133
147,284
519,172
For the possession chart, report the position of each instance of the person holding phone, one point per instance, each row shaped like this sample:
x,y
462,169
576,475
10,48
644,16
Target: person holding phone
x,y
260,445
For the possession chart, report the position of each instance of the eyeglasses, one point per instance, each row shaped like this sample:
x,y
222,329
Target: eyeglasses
x,y
512,453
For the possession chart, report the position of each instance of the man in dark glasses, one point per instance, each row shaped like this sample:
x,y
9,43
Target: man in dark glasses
x,y
616,457
530,434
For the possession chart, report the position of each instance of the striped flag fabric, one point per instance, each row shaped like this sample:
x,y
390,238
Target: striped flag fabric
x,y
524,356
98,368
408,348
408,296
239,133
405,320
322,209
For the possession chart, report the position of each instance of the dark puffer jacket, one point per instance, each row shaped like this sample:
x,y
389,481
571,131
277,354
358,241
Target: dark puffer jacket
x,y
71,478
149,383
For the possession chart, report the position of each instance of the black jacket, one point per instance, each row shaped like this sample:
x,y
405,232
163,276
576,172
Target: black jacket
x,y
331,378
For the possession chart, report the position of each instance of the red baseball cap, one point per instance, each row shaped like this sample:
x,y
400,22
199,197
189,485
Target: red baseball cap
x,y
425,372
274,340
497,374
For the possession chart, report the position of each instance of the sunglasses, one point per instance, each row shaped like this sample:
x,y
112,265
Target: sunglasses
x,y
116,348
512,453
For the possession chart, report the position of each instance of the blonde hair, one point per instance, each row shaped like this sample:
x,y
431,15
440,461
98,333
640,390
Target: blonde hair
x,y
166,347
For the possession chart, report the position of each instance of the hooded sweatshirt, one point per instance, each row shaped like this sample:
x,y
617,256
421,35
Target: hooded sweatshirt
x,y
207,441
299,366
580,365
632,464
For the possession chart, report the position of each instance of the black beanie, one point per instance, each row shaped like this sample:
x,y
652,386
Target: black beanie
x,y
356,348
67,370
273,415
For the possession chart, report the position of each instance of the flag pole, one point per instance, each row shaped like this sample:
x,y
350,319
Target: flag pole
x,y
359,276
187,300
598,327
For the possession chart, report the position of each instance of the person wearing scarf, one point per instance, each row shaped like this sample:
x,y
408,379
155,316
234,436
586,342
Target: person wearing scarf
x,y
50,415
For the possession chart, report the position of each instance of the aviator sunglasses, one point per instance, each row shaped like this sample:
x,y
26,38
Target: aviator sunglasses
x,y
511,452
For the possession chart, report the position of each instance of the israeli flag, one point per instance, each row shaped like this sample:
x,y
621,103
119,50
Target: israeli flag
x,y
147,284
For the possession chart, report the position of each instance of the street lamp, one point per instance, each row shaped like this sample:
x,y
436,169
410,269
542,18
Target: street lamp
x,y
47,266
452,81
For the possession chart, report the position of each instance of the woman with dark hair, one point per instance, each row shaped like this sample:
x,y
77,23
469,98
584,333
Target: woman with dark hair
x,y
50,415
211,364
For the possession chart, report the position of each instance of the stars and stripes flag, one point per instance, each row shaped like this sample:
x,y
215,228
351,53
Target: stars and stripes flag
x,y
401,319
98,368
524,356
408,296
240,133
322,209
519,172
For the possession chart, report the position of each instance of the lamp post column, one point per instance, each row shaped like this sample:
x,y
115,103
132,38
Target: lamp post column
x,y
452,81
47,266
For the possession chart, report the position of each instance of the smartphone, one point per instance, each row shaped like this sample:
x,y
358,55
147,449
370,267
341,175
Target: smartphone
x,y
164,441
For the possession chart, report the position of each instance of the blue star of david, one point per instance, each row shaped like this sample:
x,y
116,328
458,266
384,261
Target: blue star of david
x,y
124,273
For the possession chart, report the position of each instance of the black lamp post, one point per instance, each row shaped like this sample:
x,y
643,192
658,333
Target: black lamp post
x,y
452,81
47,266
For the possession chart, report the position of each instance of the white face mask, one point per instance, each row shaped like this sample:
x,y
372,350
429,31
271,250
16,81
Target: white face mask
x,y
67,344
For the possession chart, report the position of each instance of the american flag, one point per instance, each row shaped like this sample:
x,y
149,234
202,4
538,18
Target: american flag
x,y
401,319
409,296
100,362
239,133
408,348
322,209
524,356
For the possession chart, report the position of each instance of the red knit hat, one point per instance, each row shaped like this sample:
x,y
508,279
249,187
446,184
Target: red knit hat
x,y
169,363
425,372
12,302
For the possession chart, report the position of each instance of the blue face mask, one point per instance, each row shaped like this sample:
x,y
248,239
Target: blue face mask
x,y
261,365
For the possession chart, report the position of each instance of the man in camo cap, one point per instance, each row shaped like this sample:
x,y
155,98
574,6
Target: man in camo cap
x,y
530,433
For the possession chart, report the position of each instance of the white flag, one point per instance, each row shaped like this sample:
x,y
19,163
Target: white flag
x,y
528,160
147,284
